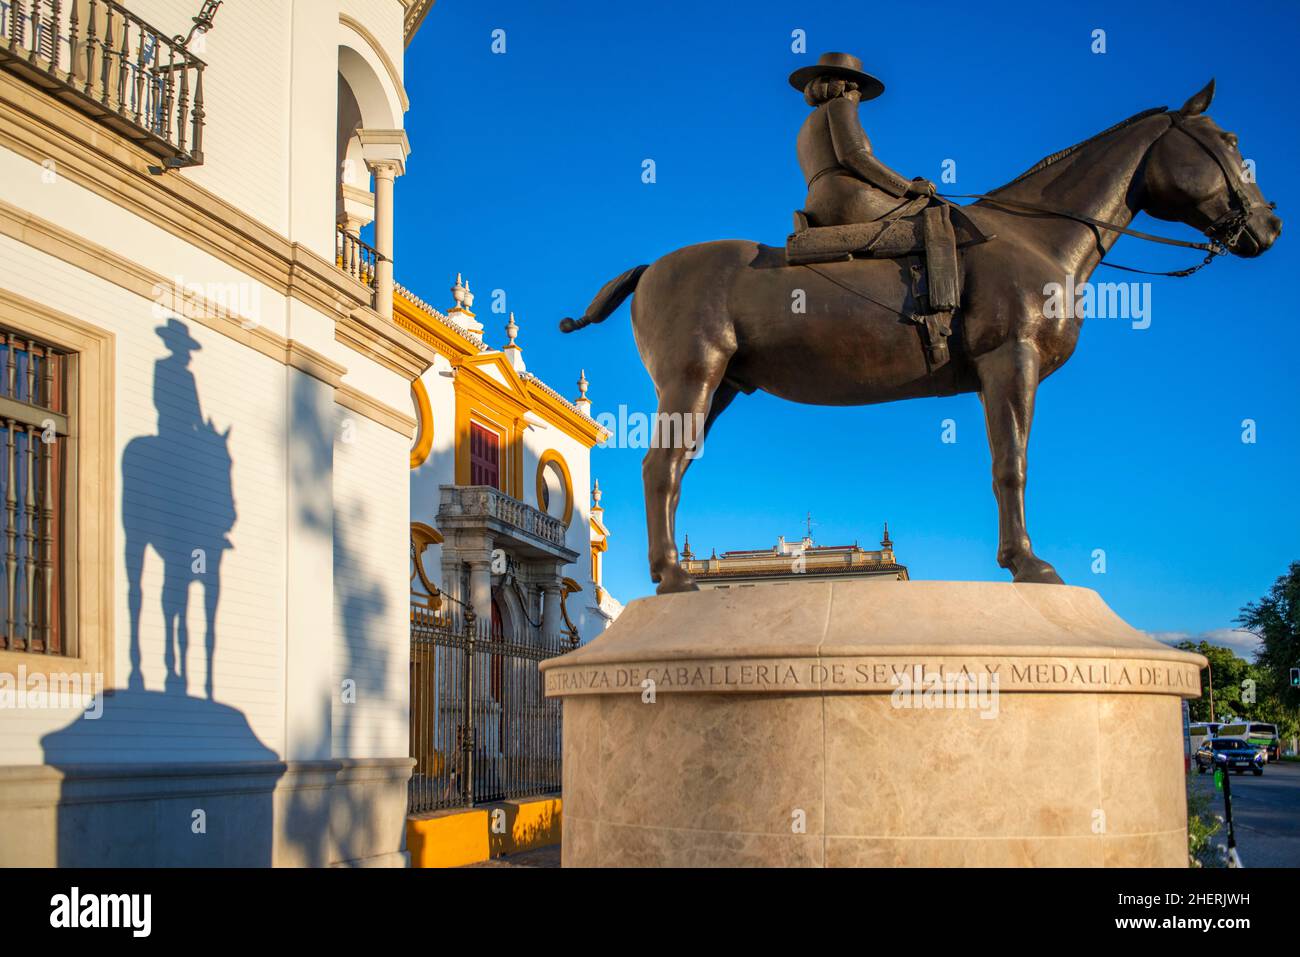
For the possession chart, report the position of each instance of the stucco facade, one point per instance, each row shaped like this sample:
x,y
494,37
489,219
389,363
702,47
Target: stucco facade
x,y
241,414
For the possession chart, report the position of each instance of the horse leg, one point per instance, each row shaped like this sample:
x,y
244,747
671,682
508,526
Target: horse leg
x,y
688,400
134,561
1008,384
211,595
175,597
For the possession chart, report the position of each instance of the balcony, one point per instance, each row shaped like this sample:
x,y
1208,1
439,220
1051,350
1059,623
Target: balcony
x,y
506,520
104,61
356,258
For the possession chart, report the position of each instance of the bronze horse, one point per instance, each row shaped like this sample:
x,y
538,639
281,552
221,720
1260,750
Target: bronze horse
x,y
715,319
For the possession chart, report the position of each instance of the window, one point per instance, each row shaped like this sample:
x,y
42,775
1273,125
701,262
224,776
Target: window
x,y
484,456
34,450
554,487
57,461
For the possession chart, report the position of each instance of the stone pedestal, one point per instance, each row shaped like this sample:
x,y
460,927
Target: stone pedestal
x,y
874,724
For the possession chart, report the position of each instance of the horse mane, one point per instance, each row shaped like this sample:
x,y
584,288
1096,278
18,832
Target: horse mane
x,y
1048,160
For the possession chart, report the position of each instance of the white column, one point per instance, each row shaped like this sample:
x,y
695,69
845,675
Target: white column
x,y
385,153
384,174
480,588
551,618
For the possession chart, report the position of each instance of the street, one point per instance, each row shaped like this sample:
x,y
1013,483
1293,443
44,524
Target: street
x,y
1265,812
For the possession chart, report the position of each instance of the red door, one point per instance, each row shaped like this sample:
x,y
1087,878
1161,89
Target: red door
x,y
484,456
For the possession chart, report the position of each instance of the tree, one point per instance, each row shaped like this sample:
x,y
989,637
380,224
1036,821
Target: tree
x,y
1275,618
1228,672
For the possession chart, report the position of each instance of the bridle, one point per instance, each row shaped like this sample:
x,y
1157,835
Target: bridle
x,y
1222,233
1227,229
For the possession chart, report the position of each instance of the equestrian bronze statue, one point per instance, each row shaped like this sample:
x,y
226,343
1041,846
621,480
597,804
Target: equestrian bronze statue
x,y
907,296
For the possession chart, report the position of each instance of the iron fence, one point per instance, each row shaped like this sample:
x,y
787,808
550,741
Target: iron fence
x,y
481,727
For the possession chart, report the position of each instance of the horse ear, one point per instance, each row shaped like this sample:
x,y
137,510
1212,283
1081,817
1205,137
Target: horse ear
x,y
1199,103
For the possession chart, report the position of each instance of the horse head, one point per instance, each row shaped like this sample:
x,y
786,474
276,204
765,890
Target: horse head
x,y
218,443
1196,175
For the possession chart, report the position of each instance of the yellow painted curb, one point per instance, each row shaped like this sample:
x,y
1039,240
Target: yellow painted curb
x,y
466,836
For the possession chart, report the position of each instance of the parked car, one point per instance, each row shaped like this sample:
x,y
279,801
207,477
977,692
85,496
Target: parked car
x,y
1237,755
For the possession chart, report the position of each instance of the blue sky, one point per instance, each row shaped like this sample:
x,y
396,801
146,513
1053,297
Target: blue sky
x,y
525,175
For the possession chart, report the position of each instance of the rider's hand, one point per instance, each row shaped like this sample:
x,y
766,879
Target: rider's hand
x,y
921,187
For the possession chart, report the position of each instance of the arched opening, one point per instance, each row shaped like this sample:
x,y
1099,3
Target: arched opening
x,y
370,151
354,201
555,487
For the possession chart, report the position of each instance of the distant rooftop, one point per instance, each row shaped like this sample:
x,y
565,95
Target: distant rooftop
x,y
795,560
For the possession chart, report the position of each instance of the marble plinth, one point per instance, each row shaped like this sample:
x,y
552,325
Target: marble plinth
x,y
870,724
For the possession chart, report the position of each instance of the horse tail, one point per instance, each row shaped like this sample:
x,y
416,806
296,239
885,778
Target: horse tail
x,y
609,298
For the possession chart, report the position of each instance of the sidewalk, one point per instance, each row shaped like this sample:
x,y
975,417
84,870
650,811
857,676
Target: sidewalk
x,y
542,857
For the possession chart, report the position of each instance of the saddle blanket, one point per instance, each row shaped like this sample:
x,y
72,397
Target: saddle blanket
x,y
882,239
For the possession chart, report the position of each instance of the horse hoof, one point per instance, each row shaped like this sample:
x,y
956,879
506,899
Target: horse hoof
x,y
1038,571
676,583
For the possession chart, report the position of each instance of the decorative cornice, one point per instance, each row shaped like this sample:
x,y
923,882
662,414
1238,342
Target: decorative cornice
x,y
568,417
416,10
352,398
98,261
459,347
389,344
422,320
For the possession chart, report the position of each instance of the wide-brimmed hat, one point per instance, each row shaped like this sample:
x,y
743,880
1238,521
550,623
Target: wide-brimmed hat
x,y
843,65
177,336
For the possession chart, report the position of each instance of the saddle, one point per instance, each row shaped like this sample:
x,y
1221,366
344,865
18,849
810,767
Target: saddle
x,y
931,231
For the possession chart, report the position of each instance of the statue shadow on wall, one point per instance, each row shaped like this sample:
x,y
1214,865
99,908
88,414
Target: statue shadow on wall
x,y
177,498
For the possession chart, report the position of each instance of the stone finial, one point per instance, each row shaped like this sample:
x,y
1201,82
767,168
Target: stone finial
x,y
461,295
512,350
596,493
582,402
885,542
687,554
460,313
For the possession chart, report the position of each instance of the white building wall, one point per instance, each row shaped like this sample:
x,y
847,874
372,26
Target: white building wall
x,y
371,590
253,164
251,612
246,95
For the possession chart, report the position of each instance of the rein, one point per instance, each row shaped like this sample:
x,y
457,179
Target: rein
x,y
1212,249
1222,232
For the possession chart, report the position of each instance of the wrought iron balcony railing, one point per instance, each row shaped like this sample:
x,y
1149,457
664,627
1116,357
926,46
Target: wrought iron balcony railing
x,y
100,58
355,257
